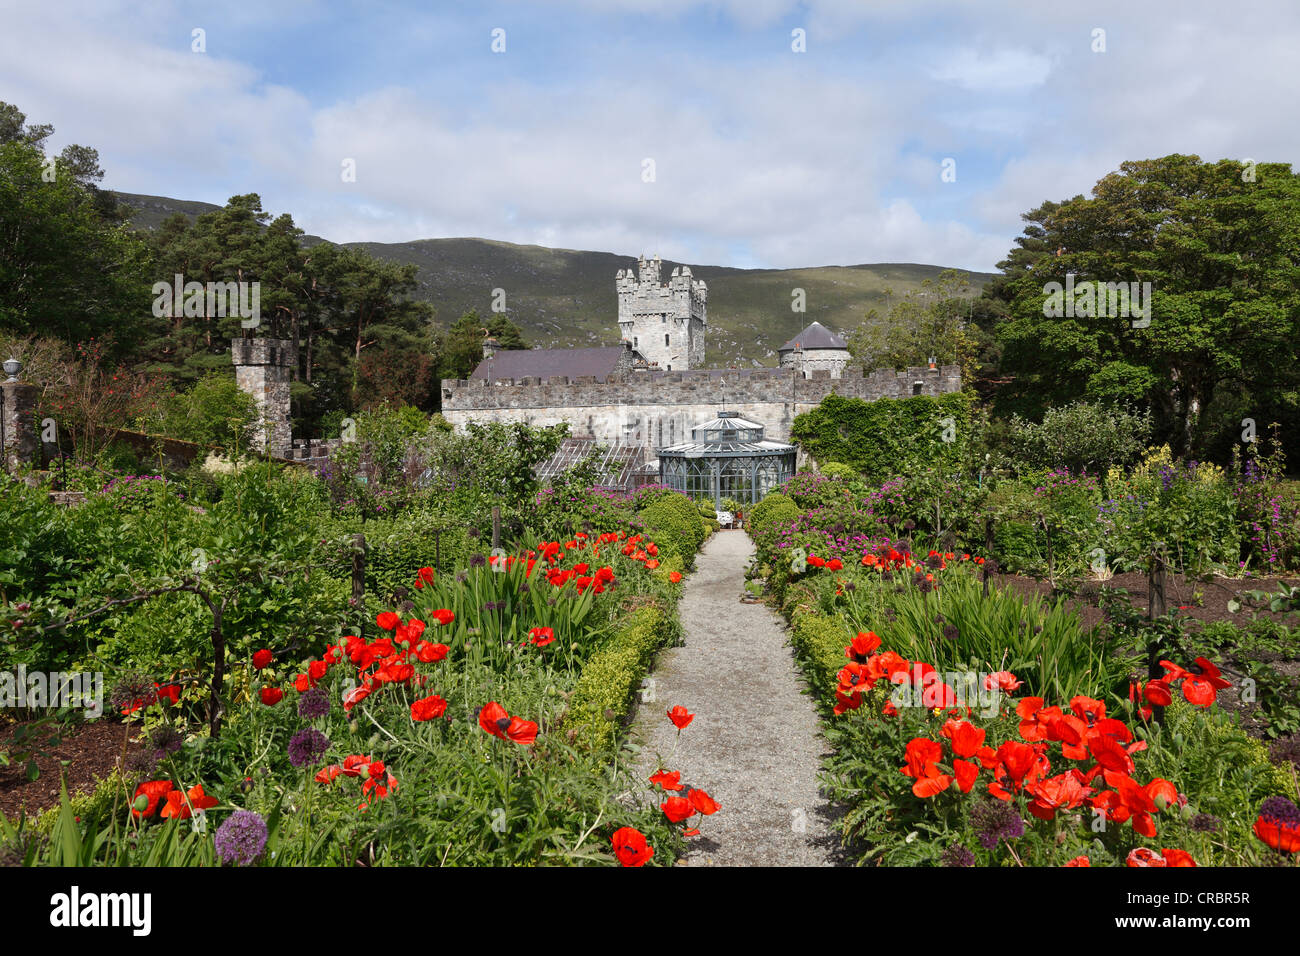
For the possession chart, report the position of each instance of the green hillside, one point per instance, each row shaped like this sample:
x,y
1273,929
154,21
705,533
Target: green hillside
x,y
562,297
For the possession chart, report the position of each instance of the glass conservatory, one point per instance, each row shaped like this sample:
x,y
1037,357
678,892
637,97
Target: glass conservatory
x,y
727,457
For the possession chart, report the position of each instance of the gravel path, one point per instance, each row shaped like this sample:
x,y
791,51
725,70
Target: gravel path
x,y
754,744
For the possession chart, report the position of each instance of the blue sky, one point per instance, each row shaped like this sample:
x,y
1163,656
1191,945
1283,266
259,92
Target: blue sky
x,y
763,156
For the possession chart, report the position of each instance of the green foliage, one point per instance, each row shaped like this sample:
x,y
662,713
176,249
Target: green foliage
x,y
67,265
215,411
1219,250
888,437
774,510
1081,437
931,321
819,642
837,469
610,680
676,526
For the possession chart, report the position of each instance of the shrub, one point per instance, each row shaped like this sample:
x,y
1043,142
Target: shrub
x,y
676,525
609,681
214,412
1080,437
820,642
837,469
774,510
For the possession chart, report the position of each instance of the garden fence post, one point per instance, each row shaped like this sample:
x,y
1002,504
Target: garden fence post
x,y
359,579
496,527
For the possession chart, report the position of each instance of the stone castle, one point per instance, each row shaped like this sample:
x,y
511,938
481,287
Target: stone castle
x,y
651,389
643,394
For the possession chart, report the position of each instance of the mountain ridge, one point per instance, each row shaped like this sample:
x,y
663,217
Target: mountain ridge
x,y
566,298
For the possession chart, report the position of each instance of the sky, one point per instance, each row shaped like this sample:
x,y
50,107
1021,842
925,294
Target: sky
x,y
749,133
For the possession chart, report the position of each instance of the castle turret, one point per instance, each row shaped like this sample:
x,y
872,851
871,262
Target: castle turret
x,y
665,323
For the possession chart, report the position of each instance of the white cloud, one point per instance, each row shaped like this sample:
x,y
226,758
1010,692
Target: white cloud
x,y
827,158
999,70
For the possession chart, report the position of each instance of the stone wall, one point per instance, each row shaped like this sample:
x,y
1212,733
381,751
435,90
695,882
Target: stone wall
x,y
660,409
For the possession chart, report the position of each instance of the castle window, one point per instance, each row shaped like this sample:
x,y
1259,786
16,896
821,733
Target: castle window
x,y
665,338
636,342
916,387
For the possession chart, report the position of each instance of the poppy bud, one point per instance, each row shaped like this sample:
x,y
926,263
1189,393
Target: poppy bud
x,y
141,803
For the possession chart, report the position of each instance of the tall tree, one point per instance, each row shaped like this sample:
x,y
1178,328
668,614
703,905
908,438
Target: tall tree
x,y
1219,244
68,267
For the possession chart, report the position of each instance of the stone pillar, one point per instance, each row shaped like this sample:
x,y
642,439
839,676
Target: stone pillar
x,y
263,369
21,441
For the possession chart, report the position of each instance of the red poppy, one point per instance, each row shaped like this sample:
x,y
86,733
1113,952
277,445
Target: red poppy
x,y
178,807
262,659
444,617
677,809
674,576
153,791
427,653
680,716
387,621
316,670
378,781
667,780
966,737
835,564
863,645
428,708
494,719
1143,856
541,636
272,696
1079,861
966,774
702,802
356,696
1004,681
1278,826
630,847
1177,858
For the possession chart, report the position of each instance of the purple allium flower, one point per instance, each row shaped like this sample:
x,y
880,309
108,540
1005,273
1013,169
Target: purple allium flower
x,y
957,855
477,560
241,839
166,739
1205,823
306,746
994,820
313,703
1280,811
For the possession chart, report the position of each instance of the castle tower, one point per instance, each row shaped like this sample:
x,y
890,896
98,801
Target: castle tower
x,y
263,369
665,323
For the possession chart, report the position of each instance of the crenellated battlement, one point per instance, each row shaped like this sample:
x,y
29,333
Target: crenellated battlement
x,y
664,322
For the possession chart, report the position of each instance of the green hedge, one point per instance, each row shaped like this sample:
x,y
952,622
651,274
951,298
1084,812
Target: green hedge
x,y
613,675
774,509
888,437
820,642
676,526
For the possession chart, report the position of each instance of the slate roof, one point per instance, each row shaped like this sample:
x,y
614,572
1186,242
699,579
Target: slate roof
x,y
543,363
816,336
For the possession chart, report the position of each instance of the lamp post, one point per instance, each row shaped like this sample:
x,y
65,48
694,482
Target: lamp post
x,y
12,367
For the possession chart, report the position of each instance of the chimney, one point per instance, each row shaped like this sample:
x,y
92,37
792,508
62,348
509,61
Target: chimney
x,y
489,347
